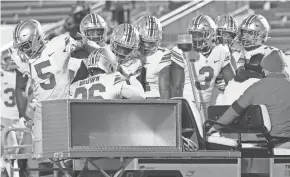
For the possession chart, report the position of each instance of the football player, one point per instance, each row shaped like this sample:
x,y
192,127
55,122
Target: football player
x,y
46,63
8,80
253,33
226,34
104,81
9,113
94,28
150,53
207,60
124,43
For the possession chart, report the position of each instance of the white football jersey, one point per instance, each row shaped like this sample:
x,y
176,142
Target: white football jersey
x,y
244,56
101,86
50,71
152,66
207,70
134,66
8,102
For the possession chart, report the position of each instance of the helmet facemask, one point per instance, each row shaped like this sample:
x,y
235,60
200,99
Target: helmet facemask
x,y
97,35
31,47
148,47
122,51
250,38
225,37
201,40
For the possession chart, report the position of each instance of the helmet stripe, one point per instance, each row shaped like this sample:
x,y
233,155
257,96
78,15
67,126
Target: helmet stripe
x,y
199,18
16,30
151,27
149,24
130,31
231,20
94,19
249,20
91,18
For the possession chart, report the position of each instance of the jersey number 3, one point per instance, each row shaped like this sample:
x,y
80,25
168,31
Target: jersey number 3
x,y
205,70
11,102
48,75
90,93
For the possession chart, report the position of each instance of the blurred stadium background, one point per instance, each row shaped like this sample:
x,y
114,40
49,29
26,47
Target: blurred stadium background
x,y
63,16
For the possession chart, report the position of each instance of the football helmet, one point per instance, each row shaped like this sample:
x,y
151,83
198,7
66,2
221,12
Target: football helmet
x,y
253,31
28,38
124,41
202,28
7,63
94,28
227,29
103,59
150,30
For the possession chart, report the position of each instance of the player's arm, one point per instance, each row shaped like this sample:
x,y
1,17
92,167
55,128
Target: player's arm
x,y
228,71
130,92
177,72
164,81
164,76
21,98
134,82
177,80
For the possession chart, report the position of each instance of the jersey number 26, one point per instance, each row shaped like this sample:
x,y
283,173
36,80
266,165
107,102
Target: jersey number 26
x,y
90,93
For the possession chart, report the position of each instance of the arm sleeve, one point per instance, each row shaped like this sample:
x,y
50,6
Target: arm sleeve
x,y
165,60
177,56
177,80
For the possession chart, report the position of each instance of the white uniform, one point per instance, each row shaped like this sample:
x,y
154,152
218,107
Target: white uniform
x,y
8,103
101,86
153,66
242,57
207,70
50,72
50,75
133,66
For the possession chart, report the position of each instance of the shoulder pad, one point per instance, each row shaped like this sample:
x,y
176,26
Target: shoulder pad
x,y
176,49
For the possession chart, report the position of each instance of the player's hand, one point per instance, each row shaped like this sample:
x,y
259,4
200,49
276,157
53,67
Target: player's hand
x,y
123,70
71,44
83,40
192,55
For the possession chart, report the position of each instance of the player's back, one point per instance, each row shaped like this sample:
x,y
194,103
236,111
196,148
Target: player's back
x,y
101,86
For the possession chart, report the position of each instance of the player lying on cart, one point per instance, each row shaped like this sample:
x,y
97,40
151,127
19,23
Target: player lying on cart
x,y
271,91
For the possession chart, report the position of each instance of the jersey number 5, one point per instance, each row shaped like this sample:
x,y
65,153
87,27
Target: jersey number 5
x,y
91,91
204,70
39,67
